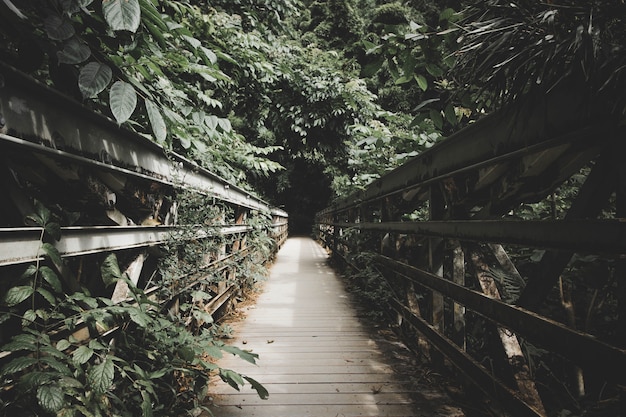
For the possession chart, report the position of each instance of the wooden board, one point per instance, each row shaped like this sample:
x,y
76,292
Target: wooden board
x,y
315,357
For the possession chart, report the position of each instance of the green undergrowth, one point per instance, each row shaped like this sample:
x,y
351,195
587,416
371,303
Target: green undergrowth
x,y
73,353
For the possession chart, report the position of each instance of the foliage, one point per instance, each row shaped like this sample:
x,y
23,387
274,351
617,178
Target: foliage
x,y
159,365
375,150
142,62
510,49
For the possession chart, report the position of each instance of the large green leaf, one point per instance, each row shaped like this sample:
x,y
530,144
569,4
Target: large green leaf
x,y
101,376
51,278
16,295
422,82
93,78
232,378
122,14
123,100
248,356
82,354
58,28
74,52
110,270
52,252
260,389
156,121
50,397
139,317
18,364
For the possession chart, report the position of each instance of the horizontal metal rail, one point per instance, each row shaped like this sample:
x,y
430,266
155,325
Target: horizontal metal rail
x,y
580,348
35,114
594,236
466,364
22,245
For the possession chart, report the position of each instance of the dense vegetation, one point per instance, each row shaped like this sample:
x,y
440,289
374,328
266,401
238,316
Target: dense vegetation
x,y
307,100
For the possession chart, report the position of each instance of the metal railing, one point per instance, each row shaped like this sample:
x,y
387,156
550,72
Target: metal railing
x,y
114,191
434,230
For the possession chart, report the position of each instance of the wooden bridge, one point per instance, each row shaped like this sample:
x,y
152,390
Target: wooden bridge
x,y
316,357
470,284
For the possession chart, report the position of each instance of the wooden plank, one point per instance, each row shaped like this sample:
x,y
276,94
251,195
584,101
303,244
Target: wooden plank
x,y
333,398
318,388
295,379
315,410
297,361
311,361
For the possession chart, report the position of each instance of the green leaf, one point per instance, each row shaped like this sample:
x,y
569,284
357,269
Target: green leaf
x,y
47,295
110,270
101,376
146,405
248,356
186,353
434,70
224,124
139,317
29,272
54,230
41,215
122,100
74,52
446,14
122,14
58,28
260,389
21,342
211,121
202,316
93,78
35,379
63,344
232,378
82,354
4,317
16,295
18,364
435,116
422,82
210,55
403,80
50,397
28,317
56,365
52,253
53,351
156,121
212,351
450,114
51,278
68,382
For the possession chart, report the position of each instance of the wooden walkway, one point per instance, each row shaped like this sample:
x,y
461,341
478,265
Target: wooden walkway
x,y
316,358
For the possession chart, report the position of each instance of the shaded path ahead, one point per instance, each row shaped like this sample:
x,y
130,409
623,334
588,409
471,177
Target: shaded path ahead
x,y
316,358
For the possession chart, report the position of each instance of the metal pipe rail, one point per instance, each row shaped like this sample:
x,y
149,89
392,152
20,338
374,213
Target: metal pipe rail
x,y
115,191
23,245
434,229
44,121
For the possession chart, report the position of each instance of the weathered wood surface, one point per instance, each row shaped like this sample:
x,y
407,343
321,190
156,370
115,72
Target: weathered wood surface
x,y
316,357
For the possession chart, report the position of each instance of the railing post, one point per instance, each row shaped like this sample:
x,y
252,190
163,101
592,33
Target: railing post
x,y
436,212
620,272
458,277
